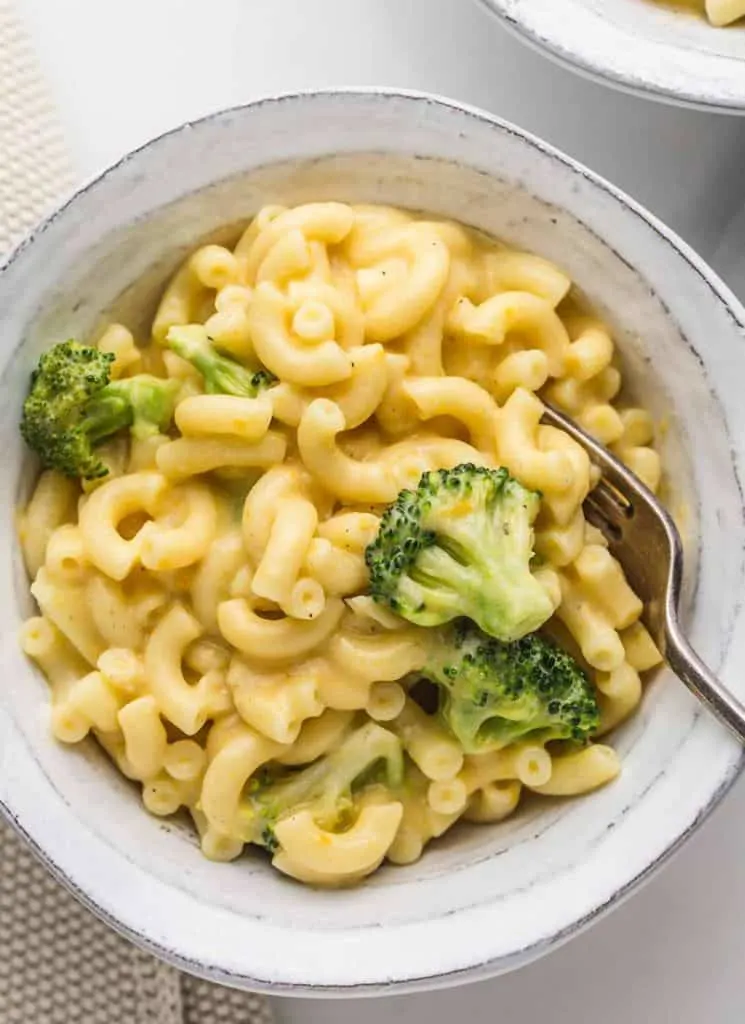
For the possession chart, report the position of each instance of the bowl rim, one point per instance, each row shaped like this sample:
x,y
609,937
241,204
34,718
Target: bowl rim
x,y
478,970
686,89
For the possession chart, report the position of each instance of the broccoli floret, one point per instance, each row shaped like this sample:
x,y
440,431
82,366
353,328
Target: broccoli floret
x,y
461,544
368,756
73,404
222,375
492,693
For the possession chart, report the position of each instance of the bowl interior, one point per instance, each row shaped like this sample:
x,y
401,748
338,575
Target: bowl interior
x,y
663,50
107,254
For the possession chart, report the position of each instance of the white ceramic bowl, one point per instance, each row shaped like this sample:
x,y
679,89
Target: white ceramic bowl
x,y
483,900
637,45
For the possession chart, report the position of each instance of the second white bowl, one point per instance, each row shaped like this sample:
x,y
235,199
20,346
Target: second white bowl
x,y
639,46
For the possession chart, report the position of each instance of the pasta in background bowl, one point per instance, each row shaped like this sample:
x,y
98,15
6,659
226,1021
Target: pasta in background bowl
x,y
481,900
719,12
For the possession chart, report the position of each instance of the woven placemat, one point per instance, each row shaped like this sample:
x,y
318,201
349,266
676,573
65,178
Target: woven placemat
x,y
59,964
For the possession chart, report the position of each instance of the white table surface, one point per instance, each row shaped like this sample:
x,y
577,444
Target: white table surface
x,y
124,72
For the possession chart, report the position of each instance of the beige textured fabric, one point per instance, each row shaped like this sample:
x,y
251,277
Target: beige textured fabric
x,y
59,964
34,170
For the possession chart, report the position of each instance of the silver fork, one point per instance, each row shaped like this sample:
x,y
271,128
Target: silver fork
x,y
646,542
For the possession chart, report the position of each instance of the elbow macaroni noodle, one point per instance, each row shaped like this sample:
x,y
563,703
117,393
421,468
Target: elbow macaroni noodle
x,y
725,12
201,637
719,12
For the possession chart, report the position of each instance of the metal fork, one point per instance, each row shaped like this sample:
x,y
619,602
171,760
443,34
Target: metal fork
x,y
646,542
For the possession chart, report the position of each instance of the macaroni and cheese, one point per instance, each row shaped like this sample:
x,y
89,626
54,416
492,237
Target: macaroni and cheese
x,y
204,608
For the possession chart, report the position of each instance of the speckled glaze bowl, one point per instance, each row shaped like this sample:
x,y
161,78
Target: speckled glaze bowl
x,y
639,46
484,899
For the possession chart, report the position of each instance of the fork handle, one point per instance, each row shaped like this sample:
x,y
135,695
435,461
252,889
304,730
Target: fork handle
x,y
689,668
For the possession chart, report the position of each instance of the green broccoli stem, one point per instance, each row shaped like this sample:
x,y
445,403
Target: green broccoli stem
x,y
221,375
105,415
327,786
143,403
151,401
